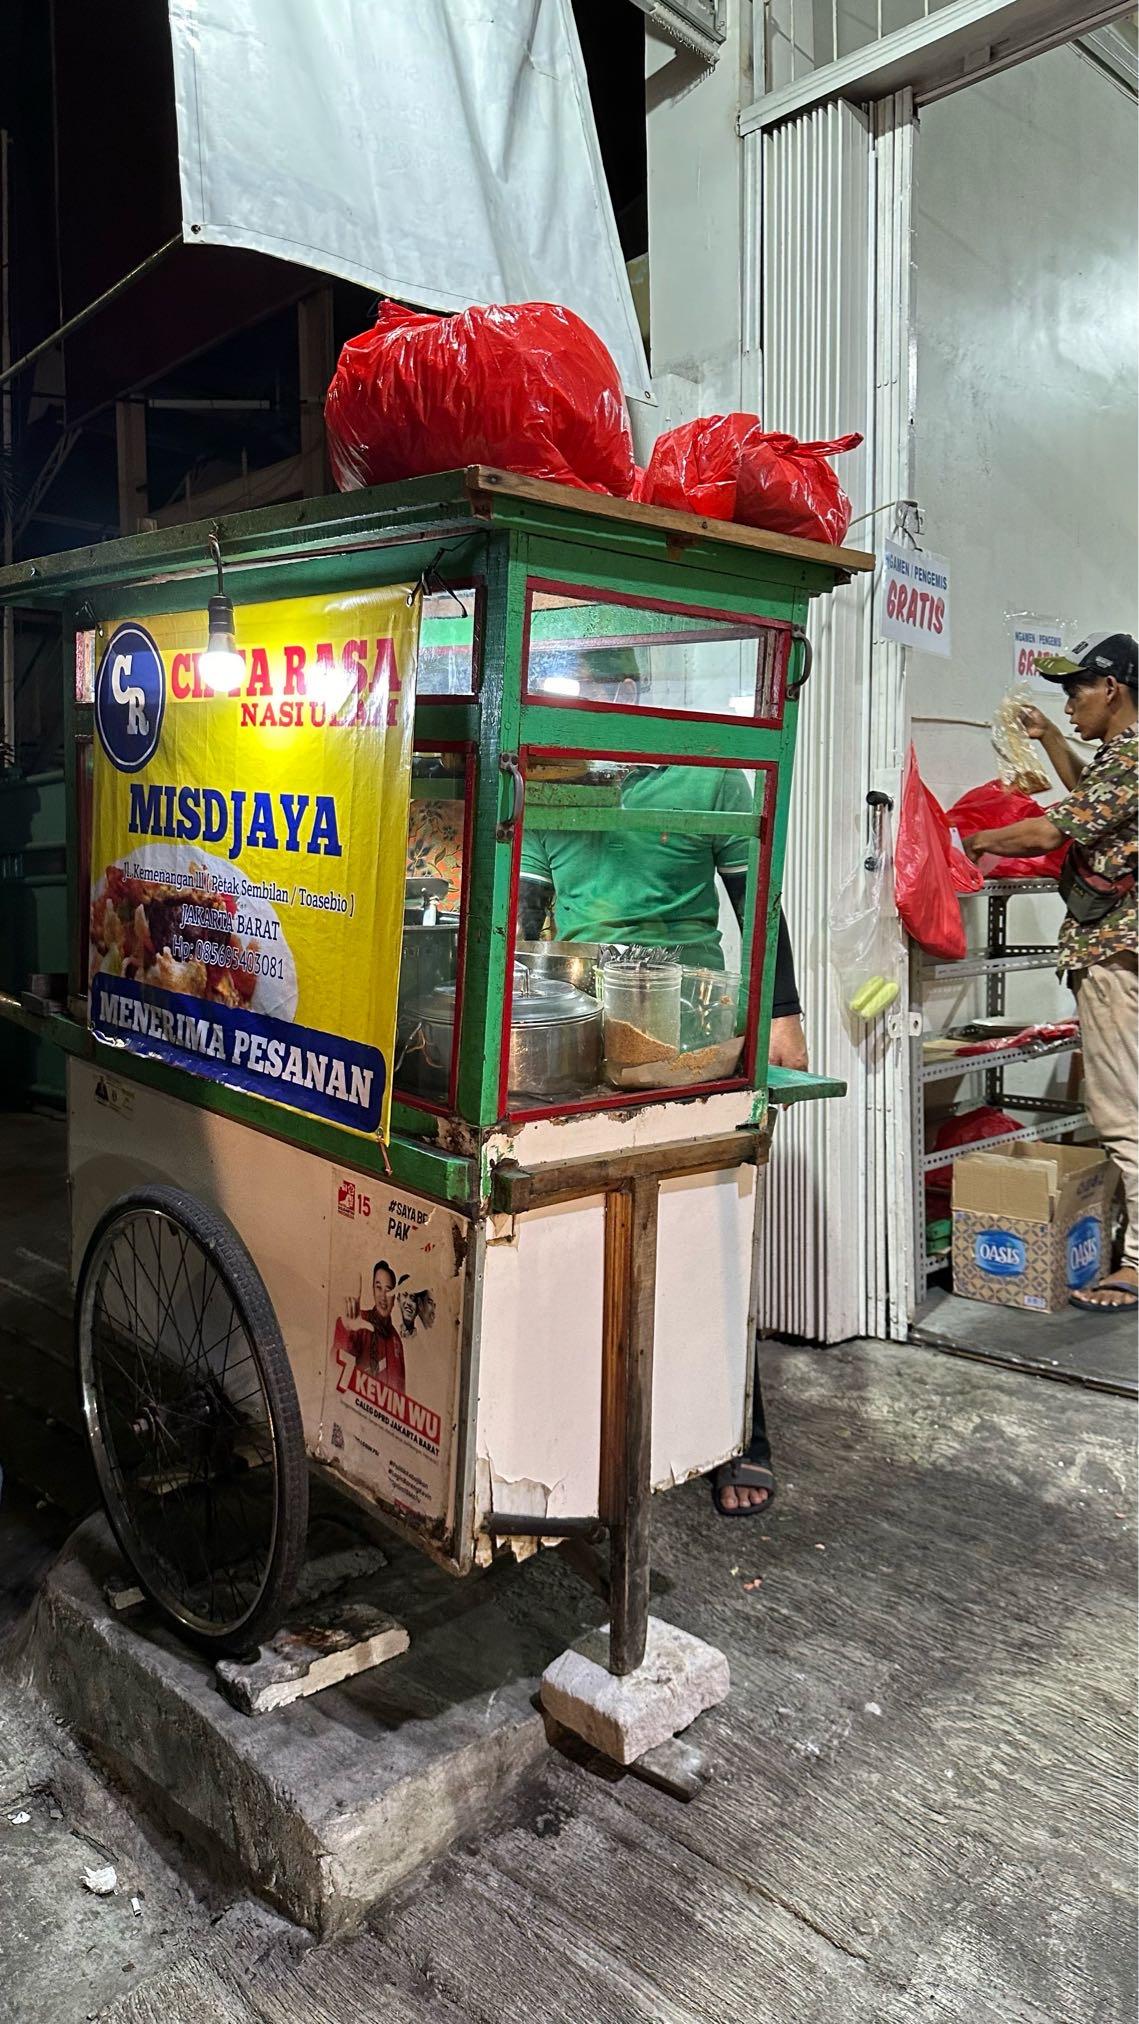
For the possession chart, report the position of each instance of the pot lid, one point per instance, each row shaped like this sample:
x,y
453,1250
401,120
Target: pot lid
x,y
547,1002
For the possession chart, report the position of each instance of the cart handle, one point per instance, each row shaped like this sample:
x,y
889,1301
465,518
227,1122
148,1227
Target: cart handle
x,y
508,765
795,689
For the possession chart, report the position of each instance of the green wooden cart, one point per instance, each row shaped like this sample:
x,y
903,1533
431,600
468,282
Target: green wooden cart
x,y
555,1250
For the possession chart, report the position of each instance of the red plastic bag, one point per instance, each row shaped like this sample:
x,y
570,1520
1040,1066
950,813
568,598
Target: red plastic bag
x,y
527,386
695,468
994,806
983,1123
790,488
928,872
730,468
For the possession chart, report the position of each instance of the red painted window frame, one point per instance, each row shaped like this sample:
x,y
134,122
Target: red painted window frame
x,y
629,1099
588,594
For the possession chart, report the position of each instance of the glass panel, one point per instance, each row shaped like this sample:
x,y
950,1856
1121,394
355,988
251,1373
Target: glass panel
x,y
594,651
434,897
446,665
633,880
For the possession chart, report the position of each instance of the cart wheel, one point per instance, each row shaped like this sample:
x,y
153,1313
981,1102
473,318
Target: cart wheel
x,y
192,1416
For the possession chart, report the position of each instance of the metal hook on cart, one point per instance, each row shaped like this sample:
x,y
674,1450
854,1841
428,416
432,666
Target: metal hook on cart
x,y
429,583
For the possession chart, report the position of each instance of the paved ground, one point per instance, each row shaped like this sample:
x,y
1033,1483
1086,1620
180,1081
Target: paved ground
x,y
923,1804
1091,1349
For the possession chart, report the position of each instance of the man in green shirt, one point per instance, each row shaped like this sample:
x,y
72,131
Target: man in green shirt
x,y
1098,940
653,886
658,888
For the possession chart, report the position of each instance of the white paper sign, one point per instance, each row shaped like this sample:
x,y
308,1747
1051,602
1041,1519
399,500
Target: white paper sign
x,y
914,599
1032,637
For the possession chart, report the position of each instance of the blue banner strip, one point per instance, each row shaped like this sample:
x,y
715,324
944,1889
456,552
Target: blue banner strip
x,y
340,1080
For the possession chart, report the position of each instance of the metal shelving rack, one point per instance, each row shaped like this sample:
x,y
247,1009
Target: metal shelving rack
x,y
1049,1117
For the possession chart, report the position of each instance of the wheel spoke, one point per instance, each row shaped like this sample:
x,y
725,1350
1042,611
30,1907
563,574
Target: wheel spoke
x,y
183,1421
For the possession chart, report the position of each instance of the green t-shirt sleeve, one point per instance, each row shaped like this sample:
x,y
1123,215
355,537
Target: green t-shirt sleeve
x,y
534,861
734,794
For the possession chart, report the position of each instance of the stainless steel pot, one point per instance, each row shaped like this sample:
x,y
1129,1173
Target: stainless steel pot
x,y
569,962
555,1039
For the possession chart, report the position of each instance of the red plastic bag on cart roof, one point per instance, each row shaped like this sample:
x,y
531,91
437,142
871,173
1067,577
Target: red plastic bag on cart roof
x,y
792,488
695,468
527,386
730,468
994,806
929,872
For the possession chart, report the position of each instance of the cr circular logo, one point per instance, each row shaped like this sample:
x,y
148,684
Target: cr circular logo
x,y
130,698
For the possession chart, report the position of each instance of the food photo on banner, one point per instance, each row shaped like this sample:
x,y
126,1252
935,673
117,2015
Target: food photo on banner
x,y
248,847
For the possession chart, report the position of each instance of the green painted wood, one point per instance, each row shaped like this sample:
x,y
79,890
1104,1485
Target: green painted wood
x,y
411,1161
488,926
637,733
436,508
795,1085
674,559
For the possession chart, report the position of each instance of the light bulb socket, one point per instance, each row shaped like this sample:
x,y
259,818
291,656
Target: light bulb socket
x,y
221,621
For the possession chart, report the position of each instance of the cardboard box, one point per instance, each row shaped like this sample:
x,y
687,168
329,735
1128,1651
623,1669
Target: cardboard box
x,y
1030,1224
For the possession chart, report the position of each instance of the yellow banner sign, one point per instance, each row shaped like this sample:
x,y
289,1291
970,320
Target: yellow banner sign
x,y
248,848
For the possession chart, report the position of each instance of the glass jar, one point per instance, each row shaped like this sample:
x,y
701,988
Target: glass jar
x,y
709,1008
641,1013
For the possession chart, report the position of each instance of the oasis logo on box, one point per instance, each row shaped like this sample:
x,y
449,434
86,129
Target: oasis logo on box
x,y
1083,1251
999,1253
130,698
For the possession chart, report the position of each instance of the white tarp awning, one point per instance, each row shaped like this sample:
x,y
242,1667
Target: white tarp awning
x,y
441,151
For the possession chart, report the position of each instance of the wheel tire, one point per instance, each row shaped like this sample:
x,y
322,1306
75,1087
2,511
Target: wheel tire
x,y
213,1237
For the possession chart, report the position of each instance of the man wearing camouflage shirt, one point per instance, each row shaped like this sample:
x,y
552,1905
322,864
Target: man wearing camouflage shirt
x,y
1098,940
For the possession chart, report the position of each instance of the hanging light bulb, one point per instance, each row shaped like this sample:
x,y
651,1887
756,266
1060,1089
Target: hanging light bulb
x,y
221,666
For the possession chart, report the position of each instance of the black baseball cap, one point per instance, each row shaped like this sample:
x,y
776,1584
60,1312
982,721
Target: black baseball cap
x,y
1100,654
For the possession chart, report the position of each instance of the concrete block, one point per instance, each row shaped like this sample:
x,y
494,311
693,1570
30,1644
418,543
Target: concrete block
x,y
323,1806
326,1645
678,1678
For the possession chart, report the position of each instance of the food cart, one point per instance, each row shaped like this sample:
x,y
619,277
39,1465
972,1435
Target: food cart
x,y
493,1275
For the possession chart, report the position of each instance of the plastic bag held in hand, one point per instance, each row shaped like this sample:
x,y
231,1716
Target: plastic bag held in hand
x,y
527,386
929,872
995,806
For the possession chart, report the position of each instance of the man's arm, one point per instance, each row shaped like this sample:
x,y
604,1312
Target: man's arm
x,y
534,896
787,1045
1067,764
1034,838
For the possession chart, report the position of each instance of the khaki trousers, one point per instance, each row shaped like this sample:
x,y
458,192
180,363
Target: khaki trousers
x,y
1108,998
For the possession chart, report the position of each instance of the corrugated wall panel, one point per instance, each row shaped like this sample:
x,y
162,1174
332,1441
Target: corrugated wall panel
x,y
890,1291
815,331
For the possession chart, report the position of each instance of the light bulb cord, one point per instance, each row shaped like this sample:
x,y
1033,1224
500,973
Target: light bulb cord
x,y
214,545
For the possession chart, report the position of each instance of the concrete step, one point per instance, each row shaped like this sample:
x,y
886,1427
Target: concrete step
x,y
321,1807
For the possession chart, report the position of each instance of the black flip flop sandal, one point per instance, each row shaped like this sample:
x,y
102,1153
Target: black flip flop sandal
x,y
1111,1285
743,1473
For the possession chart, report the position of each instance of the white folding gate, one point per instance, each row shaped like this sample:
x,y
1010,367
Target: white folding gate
x,y
833,320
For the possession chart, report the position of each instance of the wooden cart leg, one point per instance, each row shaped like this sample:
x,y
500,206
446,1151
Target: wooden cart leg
x,y
627,1410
